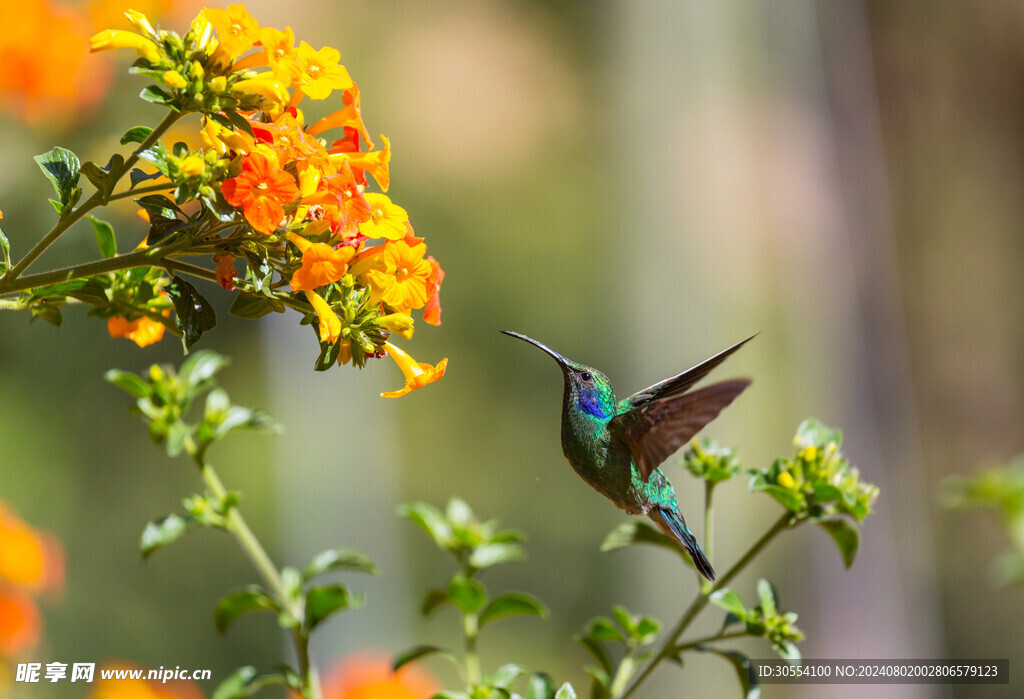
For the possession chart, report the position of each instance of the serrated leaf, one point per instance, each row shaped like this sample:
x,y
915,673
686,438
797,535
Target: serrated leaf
x,y
136,134
430,520
163,531
729,601
487,555
321,602
254,306
128,382
339,559
251,598
467,594
105,239
193,313
846,535
741,663
512,604
416,652
62,168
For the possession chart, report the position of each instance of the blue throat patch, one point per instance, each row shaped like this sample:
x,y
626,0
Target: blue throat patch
x,y
591,404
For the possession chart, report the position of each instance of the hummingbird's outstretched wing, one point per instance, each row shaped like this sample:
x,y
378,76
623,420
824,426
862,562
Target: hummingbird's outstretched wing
x,y
656,429
681,382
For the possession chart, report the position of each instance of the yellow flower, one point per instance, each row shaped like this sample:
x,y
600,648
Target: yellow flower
x,y
266,87
276,44
192,166
402,283
121,39
316,73
416,375
330,323
399,323
785,480
237,30
173,79
386,219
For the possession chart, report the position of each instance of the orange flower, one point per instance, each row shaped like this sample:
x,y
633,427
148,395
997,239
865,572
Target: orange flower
x,y
142,331
432,311
417,375
374,162
225,270
330,323
237,30
261,190
350,116
402,283
321,265
369,676
20,622
23,555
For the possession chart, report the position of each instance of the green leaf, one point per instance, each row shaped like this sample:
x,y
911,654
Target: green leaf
x,y
565,692
136,134
239,418
159,205
506,675
164,531
254,306
769,598
729,601
339,559
512,604
430,520
193,314
488,555
846,535
137,176
601,628
597,650
416,652
105,239
96,175
134,385
432,600
61,167
741,663
154,94
251,598
321,602
811,432
201,367
540,686
5,249
466,593
459,513
246,681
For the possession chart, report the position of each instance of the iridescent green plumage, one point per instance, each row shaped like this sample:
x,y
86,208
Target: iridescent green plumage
x,y
617,447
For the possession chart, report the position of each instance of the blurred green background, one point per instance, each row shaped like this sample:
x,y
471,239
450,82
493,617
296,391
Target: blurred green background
x,y
638,184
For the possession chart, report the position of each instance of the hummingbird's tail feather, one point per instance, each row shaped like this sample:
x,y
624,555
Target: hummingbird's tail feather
x,y
673,524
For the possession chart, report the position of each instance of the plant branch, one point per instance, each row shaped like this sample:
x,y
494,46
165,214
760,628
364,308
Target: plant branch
x,y
240,529
708,639
470,630
701,601
65,222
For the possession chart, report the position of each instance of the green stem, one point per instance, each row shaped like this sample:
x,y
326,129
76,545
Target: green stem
x,y
238,527
65,222
166,186
708,639
470,630
138,258
709,488
699,602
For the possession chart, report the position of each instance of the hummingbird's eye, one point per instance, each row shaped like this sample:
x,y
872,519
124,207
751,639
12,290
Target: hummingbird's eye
x,y
586,376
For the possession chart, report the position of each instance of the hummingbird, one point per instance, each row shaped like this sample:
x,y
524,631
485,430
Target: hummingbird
x,y
617,447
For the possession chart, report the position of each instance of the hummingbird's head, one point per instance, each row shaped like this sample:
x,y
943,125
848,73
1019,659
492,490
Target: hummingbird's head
x,y
586,389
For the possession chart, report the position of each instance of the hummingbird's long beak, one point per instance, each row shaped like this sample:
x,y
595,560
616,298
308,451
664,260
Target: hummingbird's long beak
x,y
562,361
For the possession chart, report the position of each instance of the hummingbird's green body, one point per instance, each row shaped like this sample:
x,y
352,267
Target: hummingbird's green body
x,y
617,447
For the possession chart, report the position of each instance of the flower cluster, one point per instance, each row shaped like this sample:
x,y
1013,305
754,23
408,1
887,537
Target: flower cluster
x,y
711,462
281,205
31,562
765,620
818,481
